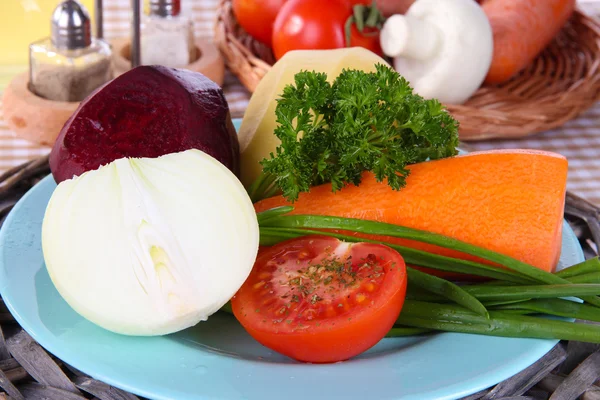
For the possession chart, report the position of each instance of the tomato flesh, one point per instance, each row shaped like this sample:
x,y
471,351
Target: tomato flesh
x,y
317,299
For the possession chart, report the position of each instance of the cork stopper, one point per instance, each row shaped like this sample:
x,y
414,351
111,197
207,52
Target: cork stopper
x,y
70,26
165,8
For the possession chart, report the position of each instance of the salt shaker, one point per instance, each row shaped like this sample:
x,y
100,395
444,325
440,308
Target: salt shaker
x,y
167,36
71,63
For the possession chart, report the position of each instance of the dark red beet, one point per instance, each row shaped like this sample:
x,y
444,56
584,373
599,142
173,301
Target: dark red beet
x,y
148,111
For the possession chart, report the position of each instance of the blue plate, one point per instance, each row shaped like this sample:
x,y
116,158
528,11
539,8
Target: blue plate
x,y
218,360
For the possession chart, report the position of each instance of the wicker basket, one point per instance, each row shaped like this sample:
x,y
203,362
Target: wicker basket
x,y
560,84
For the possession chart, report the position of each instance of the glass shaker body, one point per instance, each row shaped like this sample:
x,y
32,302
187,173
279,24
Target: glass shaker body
x,y
68,75
167,41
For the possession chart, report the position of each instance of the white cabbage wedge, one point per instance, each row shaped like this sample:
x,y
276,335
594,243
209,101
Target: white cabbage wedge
x,y
150,246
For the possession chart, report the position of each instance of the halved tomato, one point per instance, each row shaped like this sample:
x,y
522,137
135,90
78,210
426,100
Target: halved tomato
x,y
318,299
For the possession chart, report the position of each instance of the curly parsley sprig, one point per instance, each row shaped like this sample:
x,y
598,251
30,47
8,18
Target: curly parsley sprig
x,y
362,122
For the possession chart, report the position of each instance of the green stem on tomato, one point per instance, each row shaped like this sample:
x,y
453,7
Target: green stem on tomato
x,y
380,228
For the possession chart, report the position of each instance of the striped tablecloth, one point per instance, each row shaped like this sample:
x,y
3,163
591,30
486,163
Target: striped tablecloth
x,y
578,140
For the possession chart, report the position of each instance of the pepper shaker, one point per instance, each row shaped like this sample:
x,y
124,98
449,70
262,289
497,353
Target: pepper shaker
x,y
167,36
70,64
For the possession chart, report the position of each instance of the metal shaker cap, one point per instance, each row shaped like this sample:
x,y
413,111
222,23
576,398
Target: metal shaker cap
x,y
71,28
165,8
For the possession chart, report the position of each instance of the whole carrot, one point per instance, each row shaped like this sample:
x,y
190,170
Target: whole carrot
x,y
522,29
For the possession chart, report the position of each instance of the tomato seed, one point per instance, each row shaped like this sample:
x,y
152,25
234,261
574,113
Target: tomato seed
x,y
370,287
331,312
360,298
258,285
310,313
264,275
268,301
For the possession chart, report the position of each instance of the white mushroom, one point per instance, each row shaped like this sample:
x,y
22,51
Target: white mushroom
x,y
442,47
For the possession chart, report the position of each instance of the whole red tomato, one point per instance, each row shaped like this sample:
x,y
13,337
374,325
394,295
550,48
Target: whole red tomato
x,y
257,17
309,24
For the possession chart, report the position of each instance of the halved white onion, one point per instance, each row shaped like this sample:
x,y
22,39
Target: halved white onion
x,y
150,246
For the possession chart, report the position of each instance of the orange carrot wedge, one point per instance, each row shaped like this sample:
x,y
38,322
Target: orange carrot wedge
x,y
508,201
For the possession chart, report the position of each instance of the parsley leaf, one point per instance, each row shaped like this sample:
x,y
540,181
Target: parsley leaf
x,y
362,122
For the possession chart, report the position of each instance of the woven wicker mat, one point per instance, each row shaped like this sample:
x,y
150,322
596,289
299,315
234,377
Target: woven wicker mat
x,y
568,372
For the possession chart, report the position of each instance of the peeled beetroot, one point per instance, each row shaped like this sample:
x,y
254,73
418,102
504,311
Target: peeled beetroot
x,y
148,111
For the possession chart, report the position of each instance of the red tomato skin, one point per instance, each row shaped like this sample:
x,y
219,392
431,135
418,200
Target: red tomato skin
x,y
340,338
257,17
368,42
309,25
